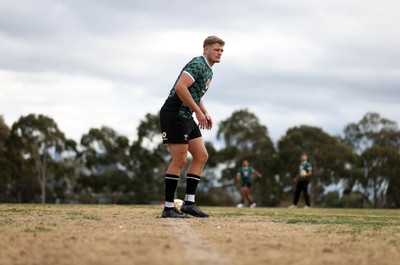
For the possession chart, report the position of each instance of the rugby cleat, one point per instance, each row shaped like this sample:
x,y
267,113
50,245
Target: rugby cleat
x,y
173,213
192,209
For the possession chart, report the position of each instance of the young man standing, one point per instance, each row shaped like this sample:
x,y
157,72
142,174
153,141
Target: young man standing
x,y
302,179
245,174
181,133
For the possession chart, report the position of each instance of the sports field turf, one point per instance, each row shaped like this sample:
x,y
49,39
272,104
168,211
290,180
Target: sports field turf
x,y
86,234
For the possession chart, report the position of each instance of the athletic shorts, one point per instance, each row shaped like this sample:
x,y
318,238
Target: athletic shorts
x,y
248,185
178,130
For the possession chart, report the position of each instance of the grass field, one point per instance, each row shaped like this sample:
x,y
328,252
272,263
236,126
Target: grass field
x,y
87,234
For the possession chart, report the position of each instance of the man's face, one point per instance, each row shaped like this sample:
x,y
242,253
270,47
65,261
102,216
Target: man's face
x,y
245,163
303,158
213,53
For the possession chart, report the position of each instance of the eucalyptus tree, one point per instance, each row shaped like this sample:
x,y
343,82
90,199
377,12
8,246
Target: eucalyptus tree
x,y
244,137
39,139
328,156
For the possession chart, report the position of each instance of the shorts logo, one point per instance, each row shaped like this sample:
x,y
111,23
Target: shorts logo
x,y
186,137
164,136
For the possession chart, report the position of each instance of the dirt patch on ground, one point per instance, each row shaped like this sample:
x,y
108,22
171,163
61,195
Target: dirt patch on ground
x,y
42,235
254,241
85,235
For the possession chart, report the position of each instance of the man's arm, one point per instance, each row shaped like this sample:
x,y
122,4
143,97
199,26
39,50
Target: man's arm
x,y
182,89
257,174
209,119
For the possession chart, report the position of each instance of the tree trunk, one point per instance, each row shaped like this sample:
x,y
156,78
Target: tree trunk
x,y
41,171
375,194
43,189
44,177
314,186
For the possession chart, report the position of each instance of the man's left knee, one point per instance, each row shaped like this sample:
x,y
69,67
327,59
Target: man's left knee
x,y
202,157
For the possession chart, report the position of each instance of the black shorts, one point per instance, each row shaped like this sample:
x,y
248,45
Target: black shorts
x,y
248,185
178,130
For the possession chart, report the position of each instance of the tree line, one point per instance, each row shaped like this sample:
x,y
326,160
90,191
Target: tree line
x,y
360,168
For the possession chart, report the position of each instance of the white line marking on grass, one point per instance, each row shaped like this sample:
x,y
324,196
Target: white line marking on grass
x,y
198,249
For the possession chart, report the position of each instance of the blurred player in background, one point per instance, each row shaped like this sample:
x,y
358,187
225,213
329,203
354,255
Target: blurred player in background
x,y
245,174
302,179
182,134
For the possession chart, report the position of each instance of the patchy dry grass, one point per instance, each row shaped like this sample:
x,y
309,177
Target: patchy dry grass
x,y
108,234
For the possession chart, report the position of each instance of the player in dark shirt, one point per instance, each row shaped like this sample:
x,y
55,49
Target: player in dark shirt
x,y
245,174
182,134
302,180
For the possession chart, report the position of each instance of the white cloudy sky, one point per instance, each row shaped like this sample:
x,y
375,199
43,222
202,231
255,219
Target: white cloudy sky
x,y
99,62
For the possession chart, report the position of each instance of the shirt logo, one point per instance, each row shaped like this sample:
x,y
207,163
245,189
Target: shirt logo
x,y
164,136
208,83
207,86
186,137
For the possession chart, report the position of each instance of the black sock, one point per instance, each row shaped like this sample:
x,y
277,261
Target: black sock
x,y
171,182
191,185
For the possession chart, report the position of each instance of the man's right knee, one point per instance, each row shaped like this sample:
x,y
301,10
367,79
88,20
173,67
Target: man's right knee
x,y
179,162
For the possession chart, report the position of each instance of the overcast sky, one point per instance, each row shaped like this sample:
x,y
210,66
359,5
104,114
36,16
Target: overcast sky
x,y
99,62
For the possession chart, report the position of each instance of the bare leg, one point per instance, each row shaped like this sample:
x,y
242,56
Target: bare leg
x,y
199,153
179,157
243,193
249,198
247,194
200,156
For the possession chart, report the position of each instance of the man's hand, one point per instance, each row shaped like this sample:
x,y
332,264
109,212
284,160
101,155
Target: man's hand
x,y
202,119
209,121
296,179
205,120
208,117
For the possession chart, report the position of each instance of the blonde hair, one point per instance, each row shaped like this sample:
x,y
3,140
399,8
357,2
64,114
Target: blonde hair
x,y
212,40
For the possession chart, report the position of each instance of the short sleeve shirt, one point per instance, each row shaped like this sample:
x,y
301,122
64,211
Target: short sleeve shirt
x,y
305,166
201,73
246,173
